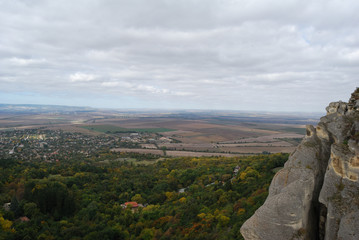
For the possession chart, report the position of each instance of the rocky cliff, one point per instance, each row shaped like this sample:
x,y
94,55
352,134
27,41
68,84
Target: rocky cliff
x,y
316,194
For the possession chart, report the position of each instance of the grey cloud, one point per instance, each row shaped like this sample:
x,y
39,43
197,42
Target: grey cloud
x,y
226,54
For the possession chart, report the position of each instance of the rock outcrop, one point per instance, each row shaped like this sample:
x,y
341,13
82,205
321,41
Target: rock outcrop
x,y
316,194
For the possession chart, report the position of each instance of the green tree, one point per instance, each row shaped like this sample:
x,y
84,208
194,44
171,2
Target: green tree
x,y
138,198
147,234
30,209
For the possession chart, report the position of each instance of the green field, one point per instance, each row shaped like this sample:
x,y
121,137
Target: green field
x,y
115,129
294,130
284,129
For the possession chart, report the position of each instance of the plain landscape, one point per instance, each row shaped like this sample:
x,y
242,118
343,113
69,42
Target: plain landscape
x,y
87,173
171,133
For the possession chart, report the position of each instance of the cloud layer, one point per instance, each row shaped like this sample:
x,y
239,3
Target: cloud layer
x,y
211,54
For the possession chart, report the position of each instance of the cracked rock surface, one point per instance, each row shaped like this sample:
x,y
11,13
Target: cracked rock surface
x,y
316,194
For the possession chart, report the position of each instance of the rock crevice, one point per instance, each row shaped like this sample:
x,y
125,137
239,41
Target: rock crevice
x,y
316,194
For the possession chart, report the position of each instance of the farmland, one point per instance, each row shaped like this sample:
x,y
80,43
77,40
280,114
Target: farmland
x,y
116,129
176,133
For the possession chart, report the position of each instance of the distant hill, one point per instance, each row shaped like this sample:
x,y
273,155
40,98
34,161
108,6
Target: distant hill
x,y
35,108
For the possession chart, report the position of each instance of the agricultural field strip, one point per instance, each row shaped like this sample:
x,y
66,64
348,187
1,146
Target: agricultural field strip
x,y
243,151
268,138
174,153
215,145
114,129
258,150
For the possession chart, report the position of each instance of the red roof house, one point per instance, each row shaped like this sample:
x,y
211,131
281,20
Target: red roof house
x,y
133,204
24,219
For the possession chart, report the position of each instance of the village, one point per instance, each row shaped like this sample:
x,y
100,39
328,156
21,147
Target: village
x,y
55,145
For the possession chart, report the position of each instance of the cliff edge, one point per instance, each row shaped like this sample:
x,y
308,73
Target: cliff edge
x,y
316,194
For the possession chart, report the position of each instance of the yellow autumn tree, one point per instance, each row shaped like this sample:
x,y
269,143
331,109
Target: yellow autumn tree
x,y
249,172
5,225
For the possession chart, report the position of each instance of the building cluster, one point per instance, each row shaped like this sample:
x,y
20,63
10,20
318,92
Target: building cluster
x,y
145,138
50,145
55,145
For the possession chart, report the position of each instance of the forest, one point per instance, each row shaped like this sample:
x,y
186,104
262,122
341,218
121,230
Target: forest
x,y
178,198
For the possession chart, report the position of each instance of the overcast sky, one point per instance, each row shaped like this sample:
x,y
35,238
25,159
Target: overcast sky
x,y
271,55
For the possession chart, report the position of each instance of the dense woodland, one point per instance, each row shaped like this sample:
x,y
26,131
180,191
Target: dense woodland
x,y
80,198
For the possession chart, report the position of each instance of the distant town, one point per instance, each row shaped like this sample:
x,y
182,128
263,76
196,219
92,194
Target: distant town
x,y
55,145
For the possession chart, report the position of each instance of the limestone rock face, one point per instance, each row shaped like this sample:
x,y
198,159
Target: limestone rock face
x,y
316,194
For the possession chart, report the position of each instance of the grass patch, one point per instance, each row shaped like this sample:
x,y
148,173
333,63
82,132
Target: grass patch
x,y
115,129
294,130
284,129
340,186
310,144
294,141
